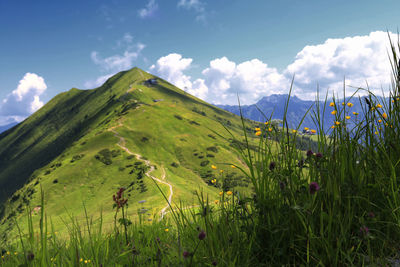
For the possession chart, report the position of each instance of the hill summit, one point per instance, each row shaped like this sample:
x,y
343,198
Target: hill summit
x,y
83,145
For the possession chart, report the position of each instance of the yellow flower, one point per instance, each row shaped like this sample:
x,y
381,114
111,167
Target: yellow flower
x,y
258,133
258,129
81,260
233,166
379,120
347,117
213,181
306,128
2,257
221,193
313,131
267,122
15,253
216,201
221,171
393,101
213,167
333,126
86,261
269,129
333,112
379,106
166,230
386,124
355,113
376,132
343,103
350,104
332,104
8,253
294,131
384,115
229,193
337,122
398,98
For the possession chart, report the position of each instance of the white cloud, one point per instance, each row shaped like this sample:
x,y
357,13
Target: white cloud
x,y
24,100
97,82
358,58
115,63
149,10
172,67
197,6
250,79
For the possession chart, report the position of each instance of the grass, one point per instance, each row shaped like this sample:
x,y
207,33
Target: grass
x,y
338,205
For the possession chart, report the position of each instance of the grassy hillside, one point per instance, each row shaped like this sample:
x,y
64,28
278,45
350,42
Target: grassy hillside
x,y
79,148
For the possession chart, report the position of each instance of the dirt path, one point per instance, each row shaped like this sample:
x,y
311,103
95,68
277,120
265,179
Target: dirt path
x,y
121,143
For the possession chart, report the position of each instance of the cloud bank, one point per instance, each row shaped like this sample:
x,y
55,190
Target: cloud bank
x,y
357,59
149,10
24,100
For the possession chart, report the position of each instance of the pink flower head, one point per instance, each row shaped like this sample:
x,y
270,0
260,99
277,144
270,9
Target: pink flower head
x,y
314,187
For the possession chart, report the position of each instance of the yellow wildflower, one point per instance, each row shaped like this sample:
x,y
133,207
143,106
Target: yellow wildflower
x,y
294,131
350,104
384,115
306,128
379,120
221,171
398,98
333,112
233,166
355,113
8,253
166,230
347,117
213,181
221,193
379,106
86,261
313,131
229,193
216,201
2,256
267,122
376,132
81,260
337,122
213,167
270,129
258,133
386,124
332,104
343,103
258,129
333,126
393,101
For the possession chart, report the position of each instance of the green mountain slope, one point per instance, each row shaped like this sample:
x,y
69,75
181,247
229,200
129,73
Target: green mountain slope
x,y
85,144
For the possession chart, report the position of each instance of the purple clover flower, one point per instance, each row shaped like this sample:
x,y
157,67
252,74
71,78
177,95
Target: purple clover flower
x,y
314,187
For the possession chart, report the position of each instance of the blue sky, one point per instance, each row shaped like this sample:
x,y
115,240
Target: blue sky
x,y
211,48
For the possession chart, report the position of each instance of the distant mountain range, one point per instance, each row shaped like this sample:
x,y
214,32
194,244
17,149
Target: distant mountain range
x,y
274,105
7,126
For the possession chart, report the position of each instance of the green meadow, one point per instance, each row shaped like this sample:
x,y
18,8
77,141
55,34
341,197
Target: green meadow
x,y
243,193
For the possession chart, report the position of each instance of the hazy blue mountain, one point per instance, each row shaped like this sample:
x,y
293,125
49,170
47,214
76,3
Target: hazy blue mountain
x,y
275,104
7,126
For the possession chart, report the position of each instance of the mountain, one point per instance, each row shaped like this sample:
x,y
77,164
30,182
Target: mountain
x,y
274,105
83,145
7,126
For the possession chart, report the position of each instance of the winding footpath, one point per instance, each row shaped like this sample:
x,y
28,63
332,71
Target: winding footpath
x,y
121,143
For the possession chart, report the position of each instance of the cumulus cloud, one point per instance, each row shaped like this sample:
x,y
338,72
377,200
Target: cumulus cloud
x,y
24,100
97,82
172,67
149,10
358,59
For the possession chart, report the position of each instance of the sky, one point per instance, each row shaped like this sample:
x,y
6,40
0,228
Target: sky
x,y
214,49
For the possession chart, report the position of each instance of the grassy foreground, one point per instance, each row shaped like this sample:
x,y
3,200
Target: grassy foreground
x,y
339,205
